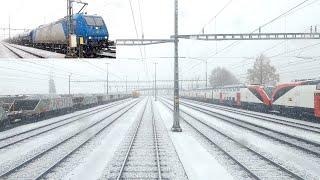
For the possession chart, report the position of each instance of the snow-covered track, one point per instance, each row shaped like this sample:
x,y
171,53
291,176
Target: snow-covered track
x,y
145,134
12,51
257,165
284,138
30,133
37,166
22,53
296,124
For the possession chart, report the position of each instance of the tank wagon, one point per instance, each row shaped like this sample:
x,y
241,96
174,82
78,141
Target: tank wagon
x,y
90,30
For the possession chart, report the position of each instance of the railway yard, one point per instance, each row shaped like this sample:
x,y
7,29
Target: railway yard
x,y
132,139
14,51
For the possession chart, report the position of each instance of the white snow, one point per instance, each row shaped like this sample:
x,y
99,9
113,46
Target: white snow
x,y
44,53
5,53
274,116
98,159
275,149
36,125
315,137
197,161
38,143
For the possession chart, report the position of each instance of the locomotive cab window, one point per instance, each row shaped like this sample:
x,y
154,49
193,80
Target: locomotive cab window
x,y
99,21
90,21
94,21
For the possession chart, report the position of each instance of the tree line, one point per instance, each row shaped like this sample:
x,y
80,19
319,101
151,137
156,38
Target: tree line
x,y
262,73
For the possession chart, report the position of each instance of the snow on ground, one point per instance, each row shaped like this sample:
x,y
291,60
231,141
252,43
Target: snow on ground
x,y
197,161
36,125
94,163
5,53
287,155
274,116
44,53
10,156
315,137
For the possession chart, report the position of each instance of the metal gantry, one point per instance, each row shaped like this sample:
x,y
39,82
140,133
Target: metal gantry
x,y
141,42
250,36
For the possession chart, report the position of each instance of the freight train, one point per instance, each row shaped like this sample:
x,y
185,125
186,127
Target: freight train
x,y
34,108
296,99
90,30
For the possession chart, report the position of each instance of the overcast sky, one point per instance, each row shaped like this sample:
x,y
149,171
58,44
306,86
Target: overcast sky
x,y
241,16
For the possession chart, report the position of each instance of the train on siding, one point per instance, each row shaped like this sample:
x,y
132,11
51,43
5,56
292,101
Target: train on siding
x,y
35,108
91,32
295,99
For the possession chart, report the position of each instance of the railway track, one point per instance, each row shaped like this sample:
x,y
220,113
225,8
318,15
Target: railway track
x,y
255,164
13,139
141,157
301,144
42,163
282,121
12,51
21,53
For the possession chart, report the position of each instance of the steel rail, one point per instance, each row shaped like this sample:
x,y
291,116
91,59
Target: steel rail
x,y
49,169
15,53
232,120
213,143
33,54
87,114
261,116
25,162
131,141
156,143
292,174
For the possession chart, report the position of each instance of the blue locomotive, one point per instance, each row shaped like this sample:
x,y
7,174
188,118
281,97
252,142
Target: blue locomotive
x,y
90,30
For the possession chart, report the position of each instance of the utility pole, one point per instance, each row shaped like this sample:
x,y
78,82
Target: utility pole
x,y
155,81
70,29
70,83
126,84
176,124
9,29
206,73
107,78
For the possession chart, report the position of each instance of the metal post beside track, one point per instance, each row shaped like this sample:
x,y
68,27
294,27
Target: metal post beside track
x,y
176,124
155,81
107,78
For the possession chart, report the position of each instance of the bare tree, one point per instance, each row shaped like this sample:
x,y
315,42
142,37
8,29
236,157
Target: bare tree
x,y
263,72
221,76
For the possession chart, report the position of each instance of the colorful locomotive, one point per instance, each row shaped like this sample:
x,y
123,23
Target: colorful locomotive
x,y
295,98
90,30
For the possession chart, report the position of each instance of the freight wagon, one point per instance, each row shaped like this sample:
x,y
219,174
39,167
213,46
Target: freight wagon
x,y
36,108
